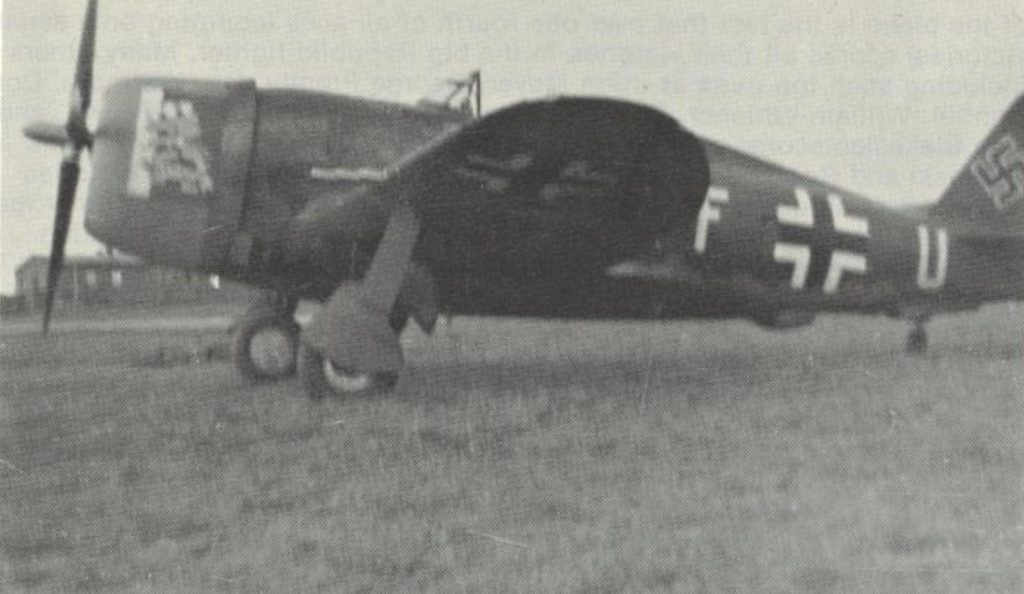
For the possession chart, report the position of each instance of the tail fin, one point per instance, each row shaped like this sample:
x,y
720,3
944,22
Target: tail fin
x,y
987,196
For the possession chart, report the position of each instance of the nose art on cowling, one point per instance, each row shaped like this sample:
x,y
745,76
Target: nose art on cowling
x,y
161,179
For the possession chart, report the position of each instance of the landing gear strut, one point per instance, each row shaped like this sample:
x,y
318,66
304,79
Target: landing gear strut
x,y
917,339
322,378
353,331
266,339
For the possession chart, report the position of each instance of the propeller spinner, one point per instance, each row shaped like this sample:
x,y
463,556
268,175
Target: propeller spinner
x,y
74,137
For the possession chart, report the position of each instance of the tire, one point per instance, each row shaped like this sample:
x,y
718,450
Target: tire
x,y
321,379
265,347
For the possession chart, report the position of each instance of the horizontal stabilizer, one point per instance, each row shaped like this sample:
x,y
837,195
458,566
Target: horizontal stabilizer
x,y
997,245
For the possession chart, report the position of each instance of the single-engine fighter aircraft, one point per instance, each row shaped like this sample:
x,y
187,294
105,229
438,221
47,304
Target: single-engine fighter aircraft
x,y
572,207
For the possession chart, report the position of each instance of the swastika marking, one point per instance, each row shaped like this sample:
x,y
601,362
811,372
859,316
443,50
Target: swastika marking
x,y
1000,171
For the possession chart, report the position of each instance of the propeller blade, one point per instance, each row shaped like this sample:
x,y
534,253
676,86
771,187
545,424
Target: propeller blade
x,y
69,170
81,90
78,137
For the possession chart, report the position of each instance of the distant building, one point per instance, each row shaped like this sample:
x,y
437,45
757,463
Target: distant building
x,y
96,281
11,305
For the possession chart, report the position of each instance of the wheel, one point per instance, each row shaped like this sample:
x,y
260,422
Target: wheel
x,y
917,341
321,378
265,347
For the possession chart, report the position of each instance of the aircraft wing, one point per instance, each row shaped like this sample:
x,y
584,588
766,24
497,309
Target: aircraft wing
x,y
541,191
556,187
572,143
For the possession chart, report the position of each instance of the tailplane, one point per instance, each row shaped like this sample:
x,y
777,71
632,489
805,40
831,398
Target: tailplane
x,y
987,197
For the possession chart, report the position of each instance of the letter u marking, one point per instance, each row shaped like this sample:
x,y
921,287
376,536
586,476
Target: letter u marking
x,y
928,278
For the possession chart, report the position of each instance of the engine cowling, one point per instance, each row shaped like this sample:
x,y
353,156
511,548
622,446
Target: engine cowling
x,y
171,159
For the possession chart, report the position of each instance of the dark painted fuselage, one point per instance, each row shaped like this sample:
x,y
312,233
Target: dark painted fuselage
x,y
276,188
782,242
222,177
775,246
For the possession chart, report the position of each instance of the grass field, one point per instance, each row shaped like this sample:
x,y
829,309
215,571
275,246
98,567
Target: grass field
x,y
525,456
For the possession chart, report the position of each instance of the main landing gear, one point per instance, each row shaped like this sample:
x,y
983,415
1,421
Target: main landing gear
x,y
322,378
267,348
350,346
917,339
357,328
266,340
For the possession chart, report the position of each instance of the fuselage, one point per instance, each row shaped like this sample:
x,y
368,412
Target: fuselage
x,y
791,242
275,188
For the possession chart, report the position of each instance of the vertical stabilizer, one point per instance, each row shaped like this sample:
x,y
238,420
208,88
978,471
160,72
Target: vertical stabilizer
x,y
987,196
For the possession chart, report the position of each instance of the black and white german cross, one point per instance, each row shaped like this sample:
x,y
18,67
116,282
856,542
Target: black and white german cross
x,y
820,241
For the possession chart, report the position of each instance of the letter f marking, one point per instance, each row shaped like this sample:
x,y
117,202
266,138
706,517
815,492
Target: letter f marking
x,y
710,212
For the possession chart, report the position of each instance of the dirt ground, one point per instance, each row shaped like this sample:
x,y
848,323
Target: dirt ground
x,y
524,456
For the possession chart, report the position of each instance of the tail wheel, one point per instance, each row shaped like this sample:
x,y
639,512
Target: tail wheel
x,y
321,378
917,341
265,347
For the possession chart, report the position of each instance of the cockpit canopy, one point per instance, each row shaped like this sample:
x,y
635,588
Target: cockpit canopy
x,y
458,95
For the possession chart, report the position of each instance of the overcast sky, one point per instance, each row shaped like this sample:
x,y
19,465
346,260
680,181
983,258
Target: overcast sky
x,y
882,97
